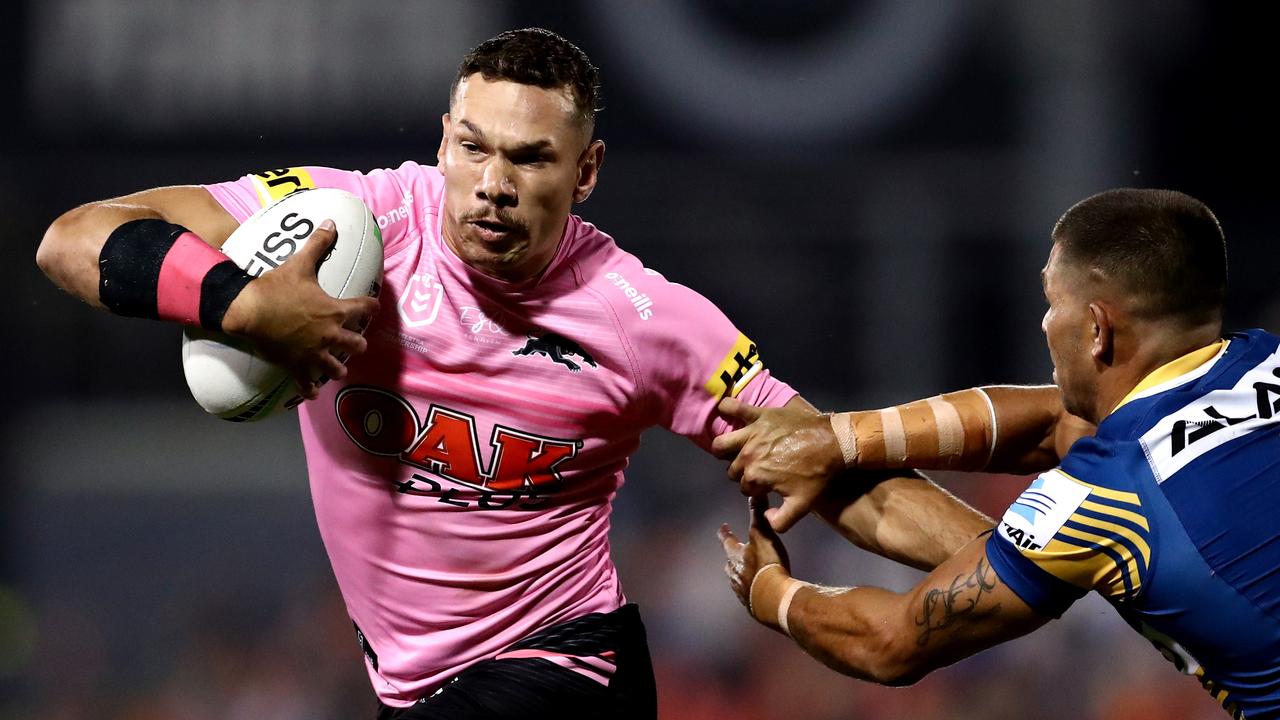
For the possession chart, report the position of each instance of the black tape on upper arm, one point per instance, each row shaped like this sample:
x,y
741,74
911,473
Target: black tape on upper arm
x,y
129,266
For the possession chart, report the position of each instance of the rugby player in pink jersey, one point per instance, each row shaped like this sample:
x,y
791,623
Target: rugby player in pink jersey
x,y
463,464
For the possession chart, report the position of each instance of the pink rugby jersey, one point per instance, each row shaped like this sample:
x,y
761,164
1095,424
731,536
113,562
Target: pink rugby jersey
x,y
463,472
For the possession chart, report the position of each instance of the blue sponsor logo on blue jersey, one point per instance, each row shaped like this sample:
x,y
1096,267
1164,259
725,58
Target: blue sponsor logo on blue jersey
x,y
1032,501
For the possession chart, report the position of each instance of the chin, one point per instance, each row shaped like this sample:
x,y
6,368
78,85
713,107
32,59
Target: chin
x,y
1081,407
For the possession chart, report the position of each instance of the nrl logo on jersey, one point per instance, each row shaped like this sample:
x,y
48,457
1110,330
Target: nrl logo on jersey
x,y
420,302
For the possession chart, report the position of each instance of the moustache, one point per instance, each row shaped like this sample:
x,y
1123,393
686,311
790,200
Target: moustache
x,y
498,216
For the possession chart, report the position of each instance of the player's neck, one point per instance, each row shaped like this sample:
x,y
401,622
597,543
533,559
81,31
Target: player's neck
x,y
1156,348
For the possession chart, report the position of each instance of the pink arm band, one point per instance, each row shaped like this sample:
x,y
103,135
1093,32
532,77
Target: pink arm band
x,y
182,275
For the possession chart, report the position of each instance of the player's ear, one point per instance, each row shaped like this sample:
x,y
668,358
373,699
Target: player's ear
x,y
589,170
444,138
1102,346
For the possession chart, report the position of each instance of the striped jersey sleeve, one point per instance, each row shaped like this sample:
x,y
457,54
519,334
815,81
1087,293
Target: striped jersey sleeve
x,y
1066,535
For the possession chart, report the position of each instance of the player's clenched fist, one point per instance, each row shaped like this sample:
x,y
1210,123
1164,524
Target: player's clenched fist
x,y
295,323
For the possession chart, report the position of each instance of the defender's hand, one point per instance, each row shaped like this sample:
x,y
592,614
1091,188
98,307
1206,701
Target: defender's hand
x,y
787,450
295,323
744,562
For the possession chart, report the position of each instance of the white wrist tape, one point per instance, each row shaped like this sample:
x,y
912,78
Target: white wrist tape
x,y
751,591
842,426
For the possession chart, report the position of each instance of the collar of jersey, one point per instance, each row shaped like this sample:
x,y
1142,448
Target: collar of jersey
x,y
1184,369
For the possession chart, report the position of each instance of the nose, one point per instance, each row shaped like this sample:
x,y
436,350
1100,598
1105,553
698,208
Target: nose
x,y
496,184
1044,323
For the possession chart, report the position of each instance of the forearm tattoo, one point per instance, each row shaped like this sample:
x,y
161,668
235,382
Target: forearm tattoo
x,y
942,607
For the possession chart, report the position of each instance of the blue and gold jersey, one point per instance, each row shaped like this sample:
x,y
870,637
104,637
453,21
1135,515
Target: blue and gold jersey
x,y
1172,512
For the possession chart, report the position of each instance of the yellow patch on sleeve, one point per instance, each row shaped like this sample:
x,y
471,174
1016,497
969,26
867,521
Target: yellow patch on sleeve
x,y
739,366
275,184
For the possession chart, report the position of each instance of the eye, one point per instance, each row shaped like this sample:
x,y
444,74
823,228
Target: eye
x,y
469,146
532,159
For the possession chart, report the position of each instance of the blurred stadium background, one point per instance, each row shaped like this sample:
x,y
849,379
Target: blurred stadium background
x,y
866,187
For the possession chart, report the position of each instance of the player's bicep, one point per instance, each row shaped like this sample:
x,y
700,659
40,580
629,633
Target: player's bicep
x,y
190,206
1033,430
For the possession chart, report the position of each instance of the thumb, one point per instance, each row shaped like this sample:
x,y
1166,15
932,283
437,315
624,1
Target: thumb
x,y
761,515
739,410
782,518
319,245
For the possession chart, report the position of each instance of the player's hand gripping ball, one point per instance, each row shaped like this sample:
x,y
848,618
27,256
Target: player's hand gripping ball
x,y
226,375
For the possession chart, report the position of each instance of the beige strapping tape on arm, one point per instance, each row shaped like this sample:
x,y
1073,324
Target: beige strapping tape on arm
x,y
950,429
895,438
842,426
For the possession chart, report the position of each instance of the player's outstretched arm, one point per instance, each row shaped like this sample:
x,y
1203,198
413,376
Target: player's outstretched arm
x,y
795,451
151,255
902,516
891,638
897,514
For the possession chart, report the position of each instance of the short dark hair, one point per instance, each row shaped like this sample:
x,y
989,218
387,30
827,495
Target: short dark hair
x,y
1165,249
538,57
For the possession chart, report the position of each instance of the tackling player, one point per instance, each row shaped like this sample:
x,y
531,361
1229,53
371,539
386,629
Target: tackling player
x,y
463,464
1168,511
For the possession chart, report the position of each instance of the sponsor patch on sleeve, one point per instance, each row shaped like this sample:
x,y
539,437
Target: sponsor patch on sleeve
x,y
1041,511
275,184
739,365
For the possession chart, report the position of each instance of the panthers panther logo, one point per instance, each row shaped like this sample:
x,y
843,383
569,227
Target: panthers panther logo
x,y
556,347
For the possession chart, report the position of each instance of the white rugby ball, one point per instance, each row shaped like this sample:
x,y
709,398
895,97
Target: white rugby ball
x,y
226,376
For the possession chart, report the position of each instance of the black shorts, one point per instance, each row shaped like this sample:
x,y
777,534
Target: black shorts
x,y
595,666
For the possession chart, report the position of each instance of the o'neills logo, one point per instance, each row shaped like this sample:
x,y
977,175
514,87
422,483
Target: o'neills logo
x,y
639,300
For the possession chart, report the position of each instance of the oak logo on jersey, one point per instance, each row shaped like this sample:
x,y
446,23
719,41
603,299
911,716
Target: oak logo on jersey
x,y
275,184
557,348
740,365
446,445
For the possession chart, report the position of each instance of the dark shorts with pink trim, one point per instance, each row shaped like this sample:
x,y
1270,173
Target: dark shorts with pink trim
x,y
595,666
